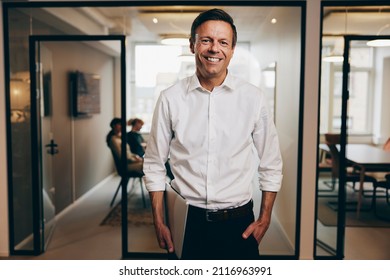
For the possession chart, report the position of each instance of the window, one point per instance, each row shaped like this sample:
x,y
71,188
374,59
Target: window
x,y
360,97
156,68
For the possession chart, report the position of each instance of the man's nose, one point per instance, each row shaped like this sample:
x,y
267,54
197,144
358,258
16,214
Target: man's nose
x,y
214,47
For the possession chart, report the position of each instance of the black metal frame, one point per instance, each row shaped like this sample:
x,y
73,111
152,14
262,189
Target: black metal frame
x,y
257,3
338,252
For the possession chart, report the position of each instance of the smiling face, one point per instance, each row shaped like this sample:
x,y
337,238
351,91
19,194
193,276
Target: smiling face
x,y
213,49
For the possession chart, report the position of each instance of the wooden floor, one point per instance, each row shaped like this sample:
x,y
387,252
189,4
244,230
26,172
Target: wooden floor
x,y
79,236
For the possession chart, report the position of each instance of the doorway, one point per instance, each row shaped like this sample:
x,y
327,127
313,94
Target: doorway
x,y
344,192
57,129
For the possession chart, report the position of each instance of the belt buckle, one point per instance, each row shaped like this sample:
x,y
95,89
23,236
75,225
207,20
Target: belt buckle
x,y
207,215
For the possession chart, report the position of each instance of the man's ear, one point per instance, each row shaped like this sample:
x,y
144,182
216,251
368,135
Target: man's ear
x,y
192,46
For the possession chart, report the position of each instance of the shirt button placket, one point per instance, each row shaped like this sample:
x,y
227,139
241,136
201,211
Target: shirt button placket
x,y
212,150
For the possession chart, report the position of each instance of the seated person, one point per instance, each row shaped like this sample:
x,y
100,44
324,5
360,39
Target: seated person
x,y
114,141
137,142
134,138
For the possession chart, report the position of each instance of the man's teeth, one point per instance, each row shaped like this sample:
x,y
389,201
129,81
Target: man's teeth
x,y
212,59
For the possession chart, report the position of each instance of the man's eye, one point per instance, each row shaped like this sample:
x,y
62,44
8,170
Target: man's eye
x,y
205,41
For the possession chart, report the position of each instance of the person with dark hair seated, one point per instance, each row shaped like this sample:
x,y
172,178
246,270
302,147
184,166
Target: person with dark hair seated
x,y
114,141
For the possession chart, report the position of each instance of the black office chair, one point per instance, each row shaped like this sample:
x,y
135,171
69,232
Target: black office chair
x,y
132,177
353,174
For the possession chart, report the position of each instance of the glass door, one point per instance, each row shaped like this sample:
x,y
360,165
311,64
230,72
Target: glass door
x,y
44,146
49,147
358,93
44,127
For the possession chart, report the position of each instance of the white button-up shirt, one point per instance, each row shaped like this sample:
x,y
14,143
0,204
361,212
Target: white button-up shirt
x,y
212,140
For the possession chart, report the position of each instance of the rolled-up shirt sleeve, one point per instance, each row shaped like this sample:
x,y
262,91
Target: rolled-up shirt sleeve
x,y
267,146
157,150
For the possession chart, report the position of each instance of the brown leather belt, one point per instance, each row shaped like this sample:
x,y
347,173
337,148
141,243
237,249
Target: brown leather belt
x,y
223,214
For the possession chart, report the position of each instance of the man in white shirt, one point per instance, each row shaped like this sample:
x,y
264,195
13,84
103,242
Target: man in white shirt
x,y
208,125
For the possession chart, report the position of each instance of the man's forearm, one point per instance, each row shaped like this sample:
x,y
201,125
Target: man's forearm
x,y
157,201
267,203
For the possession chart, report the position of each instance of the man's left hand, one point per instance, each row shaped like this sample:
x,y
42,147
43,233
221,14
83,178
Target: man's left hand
x,y
257,229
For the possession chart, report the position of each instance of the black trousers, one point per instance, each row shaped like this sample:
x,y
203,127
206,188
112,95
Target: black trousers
x,y
219,240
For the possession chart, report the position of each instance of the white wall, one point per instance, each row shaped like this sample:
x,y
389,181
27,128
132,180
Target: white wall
x,y
385,116
281,43
310,127
4,248
381,119
84,159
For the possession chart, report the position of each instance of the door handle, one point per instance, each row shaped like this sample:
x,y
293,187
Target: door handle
x,y
52,148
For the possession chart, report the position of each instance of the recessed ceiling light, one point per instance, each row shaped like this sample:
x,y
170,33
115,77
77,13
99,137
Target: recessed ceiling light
x,y
177,40
379,43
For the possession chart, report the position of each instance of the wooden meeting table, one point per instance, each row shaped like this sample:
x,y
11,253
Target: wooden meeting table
x,y
367,158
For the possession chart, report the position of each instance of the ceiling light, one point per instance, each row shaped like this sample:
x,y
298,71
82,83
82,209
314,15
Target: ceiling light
x,y
177,40
333,58
379,43
336,55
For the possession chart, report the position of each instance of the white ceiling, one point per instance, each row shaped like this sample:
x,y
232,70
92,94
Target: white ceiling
x,y
368,20
137,21
178,19
362,23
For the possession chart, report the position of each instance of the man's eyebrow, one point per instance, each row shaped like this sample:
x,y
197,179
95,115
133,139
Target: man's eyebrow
x,y
210,37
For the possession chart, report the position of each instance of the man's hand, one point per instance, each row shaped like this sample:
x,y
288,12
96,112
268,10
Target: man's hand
x,y
259,227
163,233
164,237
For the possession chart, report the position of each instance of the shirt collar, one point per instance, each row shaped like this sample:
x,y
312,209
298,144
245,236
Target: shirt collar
x,y
228,83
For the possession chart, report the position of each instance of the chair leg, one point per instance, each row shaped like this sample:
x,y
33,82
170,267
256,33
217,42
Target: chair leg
x,y
130,184
142,191
116,193
333,183
373,201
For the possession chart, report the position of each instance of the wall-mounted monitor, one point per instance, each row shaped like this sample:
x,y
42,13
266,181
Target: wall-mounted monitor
x,y
84,94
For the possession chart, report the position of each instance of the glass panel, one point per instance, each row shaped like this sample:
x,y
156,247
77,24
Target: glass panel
x,y
49,147
19,27
22,23
249,62
366,117
359,101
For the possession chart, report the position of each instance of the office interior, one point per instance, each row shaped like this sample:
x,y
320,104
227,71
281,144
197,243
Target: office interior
x,y
56,158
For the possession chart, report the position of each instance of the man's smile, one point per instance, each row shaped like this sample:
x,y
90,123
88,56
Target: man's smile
x,y
213,59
